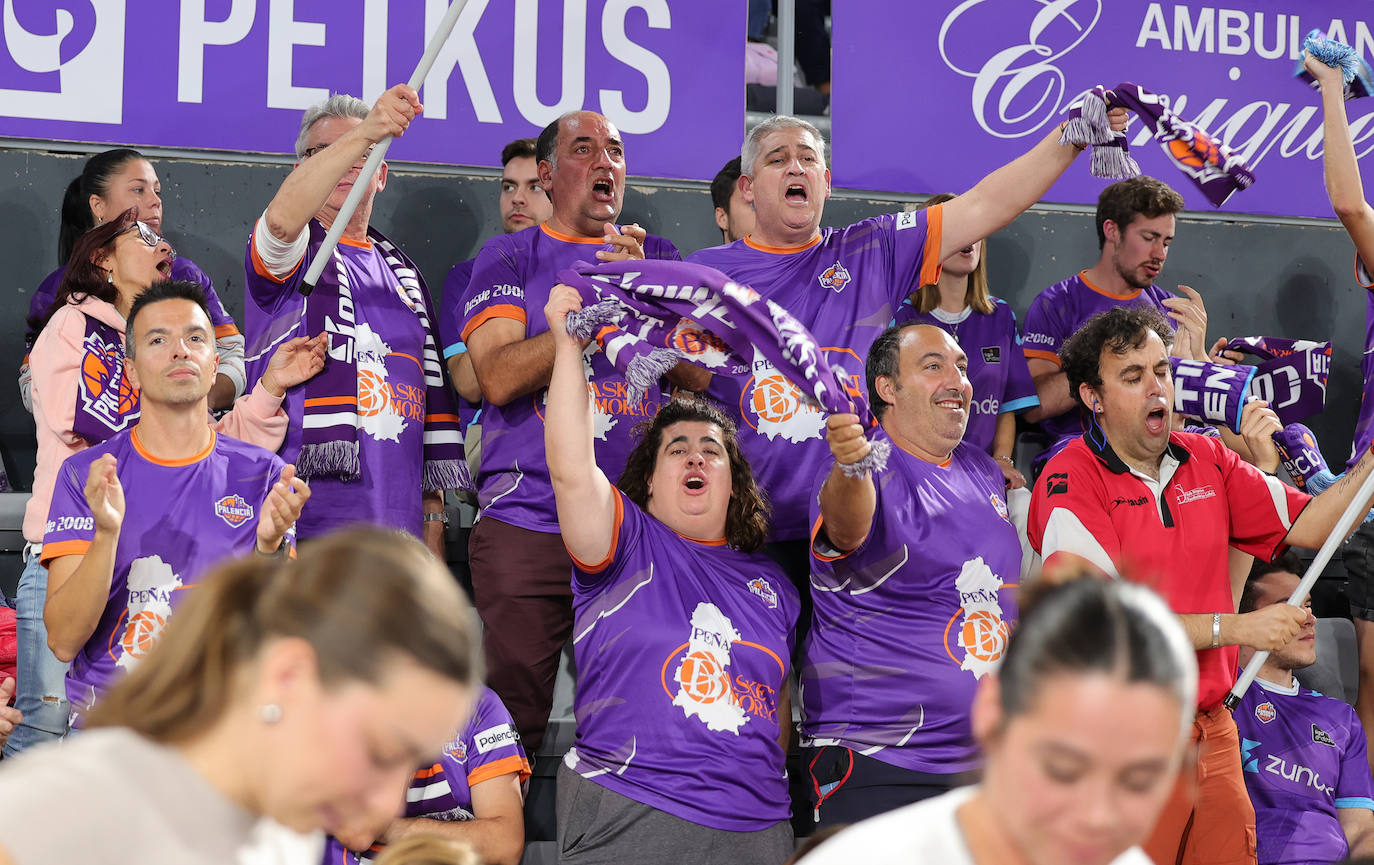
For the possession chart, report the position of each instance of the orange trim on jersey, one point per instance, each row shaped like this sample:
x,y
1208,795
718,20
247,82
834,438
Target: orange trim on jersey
x,y
358,244
781,250
782,668
331,400
505,766
1043,355
138,446
442,418
570,238
944,464
261,268
717,542
500,310
423,774
815,532
410,357
1083,275
930,265
615,539
223,330
58,549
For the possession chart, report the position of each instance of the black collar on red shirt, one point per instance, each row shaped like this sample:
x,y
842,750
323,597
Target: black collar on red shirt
x,y
1096,441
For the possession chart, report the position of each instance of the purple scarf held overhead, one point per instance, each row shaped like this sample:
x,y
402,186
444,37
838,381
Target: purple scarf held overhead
x,y
1291,376
640,311
1209,163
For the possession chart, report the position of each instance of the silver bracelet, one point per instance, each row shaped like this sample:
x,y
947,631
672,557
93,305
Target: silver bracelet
x,y
439,517
1216,630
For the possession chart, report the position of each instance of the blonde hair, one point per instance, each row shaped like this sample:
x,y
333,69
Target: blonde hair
x,y
428,850
976,294
360,597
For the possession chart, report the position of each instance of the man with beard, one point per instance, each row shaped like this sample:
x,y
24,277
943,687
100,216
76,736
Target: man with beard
x,y
1135,225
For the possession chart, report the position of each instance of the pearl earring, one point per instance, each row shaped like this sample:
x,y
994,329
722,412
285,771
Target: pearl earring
x,y
270,713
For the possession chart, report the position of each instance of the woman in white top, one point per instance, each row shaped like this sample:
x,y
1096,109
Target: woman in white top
x,y
1083,730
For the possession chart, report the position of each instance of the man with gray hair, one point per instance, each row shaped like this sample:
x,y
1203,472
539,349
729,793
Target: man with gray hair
x,y
376,433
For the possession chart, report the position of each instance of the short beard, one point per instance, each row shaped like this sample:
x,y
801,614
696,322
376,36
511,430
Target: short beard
x,y
1128,276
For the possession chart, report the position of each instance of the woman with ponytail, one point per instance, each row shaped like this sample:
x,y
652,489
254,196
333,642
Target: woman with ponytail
x,y
110,183
286,697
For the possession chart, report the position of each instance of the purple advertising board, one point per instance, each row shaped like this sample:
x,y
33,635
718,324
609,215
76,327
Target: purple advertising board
x,y
930,96
235,74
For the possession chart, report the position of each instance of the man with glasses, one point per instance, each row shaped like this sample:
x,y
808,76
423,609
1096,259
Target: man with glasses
x,y
376,433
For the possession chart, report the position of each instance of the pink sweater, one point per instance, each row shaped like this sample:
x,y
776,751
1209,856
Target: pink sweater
x,y
56,366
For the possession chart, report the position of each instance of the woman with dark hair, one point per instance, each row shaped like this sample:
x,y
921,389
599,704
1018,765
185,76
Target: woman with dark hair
x,y
109,184
1083,729
682,633
82,396
985,328
300,691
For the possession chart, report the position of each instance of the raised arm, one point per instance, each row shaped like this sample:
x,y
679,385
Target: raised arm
x,y
1340,170
847,503
585,499
1318,519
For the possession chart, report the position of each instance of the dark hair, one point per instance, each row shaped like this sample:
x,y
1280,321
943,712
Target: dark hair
x,y
83,277
1119,329
1143,196
360,597
1286,562
94,179
883,358
1091,625
546,145
517,149
723,185
746,519
172,289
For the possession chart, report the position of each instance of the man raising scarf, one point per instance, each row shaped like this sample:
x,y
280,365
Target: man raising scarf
x,y
375,433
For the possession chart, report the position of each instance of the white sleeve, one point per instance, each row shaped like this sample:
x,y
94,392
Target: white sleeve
x,y
280,257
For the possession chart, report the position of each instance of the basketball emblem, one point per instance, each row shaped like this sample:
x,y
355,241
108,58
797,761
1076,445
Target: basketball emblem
x,y
1265,712
984,636
776,399
141,634
702,678
372,395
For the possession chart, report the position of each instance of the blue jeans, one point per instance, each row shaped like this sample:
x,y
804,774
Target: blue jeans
x,y
41,692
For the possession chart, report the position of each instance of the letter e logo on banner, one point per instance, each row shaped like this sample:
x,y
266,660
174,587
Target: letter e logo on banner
x,y
63,60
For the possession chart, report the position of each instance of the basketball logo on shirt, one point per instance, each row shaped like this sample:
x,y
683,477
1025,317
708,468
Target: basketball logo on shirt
x,y
457,749
1265,713
761,587
835,277
151,582
105,390
772,405
982,633
705,687
382,409
234,510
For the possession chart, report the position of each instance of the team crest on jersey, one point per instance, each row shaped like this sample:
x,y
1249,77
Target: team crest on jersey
x,y
234,510
835,277
760,587
1265,712
775,407
982,632
457,749
151,582
708,686
999,505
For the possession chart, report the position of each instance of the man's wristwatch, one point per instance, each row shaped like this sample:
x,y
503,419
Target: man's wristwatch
x,y
439,517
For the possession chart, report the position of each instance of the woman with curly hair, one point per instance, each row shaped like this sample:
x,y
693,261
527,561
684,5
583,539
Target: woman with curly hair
x,y
682,633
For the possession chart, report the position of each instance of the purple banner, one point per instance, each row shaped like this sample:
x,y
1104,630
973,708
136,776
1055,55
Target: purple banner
x,y
930,96
235,74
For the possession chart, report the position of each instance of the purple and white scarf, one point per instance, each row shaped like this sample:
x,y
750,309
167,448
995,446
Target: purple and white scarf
x,y
1298,451
329,434
1211,392
106,403
639,310
1209,163
1291,376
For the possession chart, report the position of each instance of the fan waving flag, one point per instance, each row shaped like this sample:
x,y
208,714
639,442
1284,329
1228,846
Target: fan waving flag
x,y
643,313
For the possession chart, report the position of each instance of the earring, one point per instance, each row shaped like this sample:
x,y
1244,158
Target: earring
x,y
109,277
269,713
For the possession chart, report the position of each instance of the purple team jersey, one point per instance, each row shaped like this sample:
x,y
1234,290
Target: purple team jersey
x,y
183,518
845,287
1304,757
996,363
487,747
1053,317
1364,424
451,330
682,650
512,279
388,344
906,624
182,268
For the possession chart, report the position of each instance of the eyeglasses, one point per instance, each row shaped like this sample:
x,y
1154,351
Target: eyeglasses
x,y
147,235
311,151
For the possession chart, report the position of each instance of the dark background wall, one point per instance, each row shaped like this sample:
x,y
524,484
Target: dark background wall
x,y
1259,278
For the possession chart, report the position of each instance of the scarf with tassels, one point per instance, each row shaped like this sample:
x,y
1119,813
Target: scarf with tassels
x,y
634,308
1291,375
1355,72
1210,164
329,434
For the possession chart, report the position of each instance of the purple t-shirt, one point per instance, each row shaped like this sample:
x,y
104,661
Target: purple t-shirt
x,y
906,624
512,279
215,500
996,363
1364,423
487,747
1053,317
182,268
1305,758
451,330
389,344
682,650
845,287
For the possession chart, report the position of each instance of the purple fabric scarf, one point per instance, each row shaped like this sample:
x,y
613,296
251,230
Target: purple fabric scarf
x,y
1355,72
1211,392
106,403
639,310
1291,376
329,435
1210,164
1301,457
